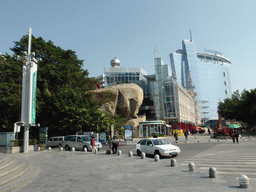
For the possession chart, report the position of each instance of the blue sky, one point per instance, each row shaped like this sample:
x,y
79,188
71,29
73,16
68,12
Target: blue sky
x,y
100,30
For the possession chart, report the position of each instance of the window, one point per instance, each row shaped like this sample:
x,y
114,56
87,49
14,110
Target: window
x,y
143,142
61,139
224,74
225,83
226,91
55,139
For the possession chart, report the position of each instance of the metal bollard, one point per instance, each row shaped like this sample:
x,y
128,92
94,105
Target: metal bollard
x,y
130,154
73,149
108,151
49,148
119,152
38,149
198,141
244,181
61,148
143,155
156,158
85,150
212,172
173,162
95,151
191,167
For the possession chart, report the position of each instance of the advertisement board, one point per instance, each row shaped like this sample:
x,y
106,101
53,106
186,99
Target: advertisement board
x,y
128,133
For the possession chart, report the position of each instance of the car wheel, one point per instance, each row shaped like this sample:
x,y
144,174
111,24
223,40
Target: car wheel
x,y
138,152
67,148
85,147
158,153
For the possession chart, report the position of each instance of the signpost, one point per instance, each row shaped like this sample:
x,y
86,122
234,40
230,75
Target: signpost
x,y
28,108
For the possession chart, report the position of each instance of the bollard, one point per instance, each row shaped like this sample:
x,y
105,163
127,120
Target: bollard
x,y
95,151
226,139
173,162
218,140
119,152
212,172
244,181
85,150
49,148
130,154
38,149
61,148
191,167
198,141
143,155
156,157
108,151
73,149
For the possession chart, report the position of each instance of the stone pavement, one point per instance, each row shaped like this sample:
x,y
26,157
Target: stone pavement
x,y
79,171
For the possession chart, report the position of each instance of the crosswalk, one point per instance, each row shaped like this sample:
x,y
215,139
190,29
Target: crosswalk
x,y
229,159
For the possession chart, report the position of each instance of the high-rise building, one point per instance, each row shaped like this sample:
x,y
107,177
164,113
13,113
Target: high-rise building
x,y
205,73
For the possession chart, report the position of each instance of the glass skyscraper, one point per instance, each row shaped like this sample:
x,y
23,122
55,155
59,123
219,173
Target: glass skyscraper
x,y
205,73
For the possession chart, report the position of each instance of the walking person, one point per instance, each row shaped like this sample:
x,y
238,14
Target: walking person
x,y
236,136
232,136
176,137
93,144
186,134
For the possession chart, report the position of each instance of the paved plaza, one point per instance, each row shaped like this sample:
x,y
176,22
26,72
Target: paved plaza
x,y
79,171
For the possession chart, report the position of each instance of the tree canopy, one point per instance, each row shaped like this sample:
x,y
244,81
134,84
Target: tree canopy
x,y
241,107
64,101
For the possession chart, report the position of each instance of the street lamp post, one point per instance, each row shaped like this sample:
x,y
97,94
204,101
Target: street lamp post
x,y
28,107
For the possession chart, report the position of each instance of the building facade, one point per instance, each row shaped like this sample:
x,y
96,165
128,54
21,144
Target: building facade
x,y
205,73
164,98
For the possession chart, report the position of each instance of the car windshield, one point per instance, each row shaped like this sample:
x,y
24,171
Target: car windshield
x,y
160,142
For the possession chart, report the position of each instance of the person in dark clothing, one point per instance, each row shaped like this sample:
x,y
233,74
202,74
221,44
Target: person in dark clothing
x,y
115,144
186,134
236,136
176,137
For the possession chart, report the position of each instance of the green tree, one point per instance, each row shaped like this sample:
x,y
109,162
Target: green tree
x,y
241,107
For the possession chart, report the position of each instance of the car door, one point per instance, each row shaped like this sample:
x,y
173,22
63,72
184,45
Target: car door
x,y
79,143
149,147
143,146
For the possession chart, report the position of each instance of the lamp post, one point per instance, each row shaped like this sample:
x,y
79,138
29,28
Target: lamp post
x,y
29,79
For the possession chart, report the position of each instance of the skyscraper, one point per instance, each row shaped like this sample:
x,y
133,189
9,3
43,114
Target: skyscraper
x,y
206,73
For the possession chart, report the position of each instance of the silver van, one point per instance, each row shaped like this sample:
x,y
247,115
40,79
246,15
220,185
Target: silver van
x,y
79,142
55,141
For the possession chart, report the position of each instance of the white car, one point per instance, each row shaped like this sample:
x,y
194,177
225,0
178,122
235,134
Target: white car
x,y
157,146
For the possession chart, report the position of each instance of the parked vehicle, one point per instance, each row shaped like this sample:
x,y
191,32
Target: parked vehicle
x,y
79,142
55,141
157,146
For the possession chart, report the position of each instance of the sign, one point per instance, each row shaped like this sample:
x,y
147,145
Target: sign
x,y
43,134
128,134
33,106
103,137
128,127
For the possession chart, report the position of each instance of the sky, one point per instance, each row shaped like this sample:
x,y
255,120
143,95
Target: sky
x,y
131,30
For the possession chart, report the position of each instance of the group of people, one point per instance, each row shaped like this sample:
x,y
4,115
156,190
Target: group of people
x,y
113,144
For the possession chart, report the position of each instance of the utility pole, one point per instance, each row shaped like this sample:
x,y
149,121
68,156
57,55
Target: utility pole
x,y
29,81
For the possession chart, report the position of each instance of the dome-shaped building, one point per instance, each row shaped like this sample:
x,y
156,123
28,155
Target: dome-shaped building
x,y
115,62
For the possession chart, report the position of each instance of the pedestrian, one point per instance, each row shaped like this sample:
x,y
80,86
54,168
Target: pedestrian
x,y
209,131
93,144
186,134
176,137
236,136
115,144
155,135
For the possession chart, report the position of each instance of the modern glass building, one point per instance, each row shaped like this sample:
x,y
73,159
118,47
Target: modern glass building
x,y
206,73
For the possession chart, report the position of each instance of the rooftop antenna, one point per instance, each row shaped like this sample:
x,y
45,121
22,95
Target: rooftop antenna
x,y
190,35
155,52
